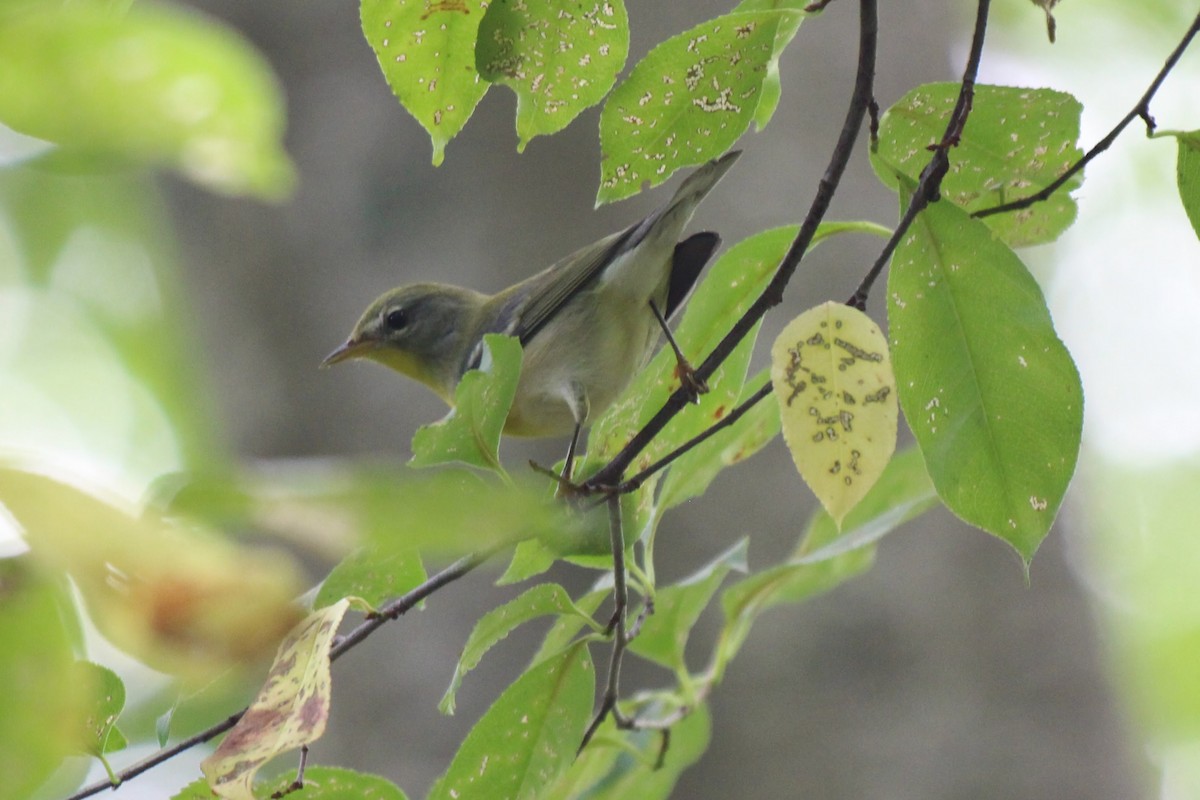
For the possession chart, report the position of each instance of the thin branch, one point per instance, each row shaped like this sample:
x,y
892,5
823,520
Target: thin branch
x,y
389,611
608,703
611,473
634,483
929,186
1140,111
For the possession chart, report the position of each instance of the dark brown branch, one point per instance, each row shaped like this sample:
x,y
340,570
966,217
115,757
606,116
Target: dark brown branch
x,y
929,186
611,473
608,703
1140,111
634,483
390,610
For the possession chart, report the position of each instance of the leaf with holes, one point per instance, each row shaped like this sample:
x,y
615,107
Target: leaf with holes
x,y
290,710
991,394
426,49
837,400
560,58
689,99
1015,142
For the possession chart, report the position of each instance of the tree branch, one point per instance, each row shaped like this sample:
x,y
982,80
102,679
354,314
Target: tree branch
x,y
611,473
390,611
929,186
1140,111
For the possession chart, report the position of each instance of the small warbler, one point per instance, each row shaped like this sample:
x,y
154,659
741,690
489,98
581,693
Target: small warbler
x,y
586,324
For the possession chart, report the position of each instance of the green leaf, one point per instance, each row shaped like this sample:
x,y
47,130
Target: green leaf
x,y
44,709
530,557
836,394
559,57
790,582
320,783
427,53
772,88
636,777
664,634
691,474
157,85
374,574
1015,142
470,433
690,99
290,711
107,702
567,626
902,492
529,735
1187,172
991,394
494,626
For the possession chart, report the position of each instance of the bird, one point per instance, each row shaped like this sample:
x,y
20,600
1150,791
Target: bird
x,y
586,324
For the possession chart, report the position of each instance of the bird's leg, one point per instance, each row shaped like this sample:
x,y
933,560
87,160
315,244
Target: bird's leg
x,y
569,462
692,383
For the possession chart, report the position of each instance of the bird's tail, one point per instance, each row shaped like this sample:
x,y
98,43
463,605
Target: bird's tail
x,y
668,222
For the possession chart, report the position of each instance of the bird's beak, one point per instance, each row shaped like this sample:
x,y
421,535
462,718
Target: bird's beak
x,y
351,348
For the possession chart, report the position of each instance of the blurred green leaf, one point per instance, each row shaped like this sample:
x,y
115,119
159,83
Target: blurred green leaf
x,y
470,433
529,558
373,574
691,98
529,735
664,634
790,582
539,601
1143,558
157,85
427,53
560,58
221,606
1187,174
991,394
1015,142
902,492
44,709
692,473
607,770
90,297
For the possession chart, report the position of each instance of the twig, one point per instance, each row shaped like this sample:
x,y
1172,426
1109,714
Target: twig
x,y
1140,111
389,611
634,483
929,185
608,703
611,473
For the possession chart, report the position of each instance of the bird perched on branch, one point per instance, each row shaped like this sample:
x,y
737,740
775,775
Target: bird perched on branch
x,y
586,324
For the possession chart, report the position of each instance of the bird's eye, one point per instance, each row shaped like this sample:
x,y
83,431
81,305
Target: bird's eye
x,y
395,319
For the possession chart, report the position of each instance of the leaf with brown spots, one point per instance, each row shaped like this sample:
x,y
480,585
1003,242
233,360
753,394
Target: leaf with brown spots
x,y
836,394
290,710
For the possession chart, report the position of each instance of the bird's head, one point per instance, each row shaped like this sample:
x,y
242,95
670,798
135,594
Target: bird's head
x,y
422,331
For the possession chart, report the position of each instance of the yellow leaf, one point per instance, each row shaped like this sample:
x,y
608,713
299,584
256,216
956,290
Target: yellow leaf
x,y
832,376
290,710
179,598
